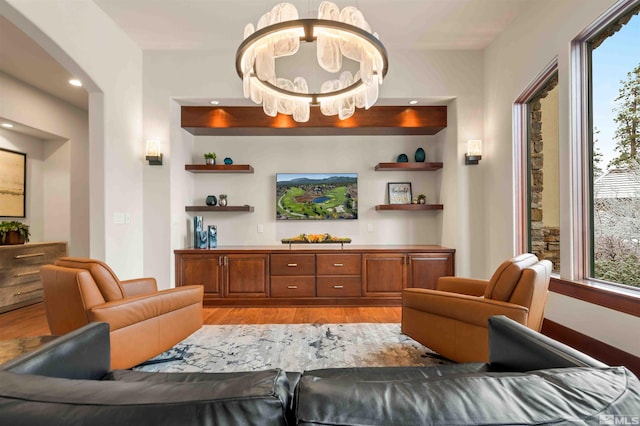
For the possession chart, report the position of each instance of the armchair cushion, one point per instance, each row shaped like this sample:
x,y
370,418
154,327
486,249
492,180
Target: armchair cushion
x,y
461,285
461,307
139,286
107,281
132,310
507,275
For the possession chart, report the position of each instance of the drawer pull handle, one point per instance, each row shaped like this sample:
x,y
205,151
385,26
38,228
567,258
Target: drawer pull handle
x,y
24,274
338,264
292,265
20,293
24,256
338,286
292,287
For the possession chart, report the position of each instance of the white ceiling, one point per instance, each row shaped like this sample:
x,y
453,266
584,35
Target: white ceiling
x,y
219,24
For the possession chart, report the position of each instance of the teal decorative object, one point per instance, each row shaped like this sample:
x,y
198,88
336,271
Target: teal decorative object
x,y
402,158
420,155
228,161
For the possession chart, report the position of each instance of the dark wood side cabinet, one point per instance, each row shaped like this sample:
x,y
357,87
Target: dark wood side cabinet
x,y
20,283
312,274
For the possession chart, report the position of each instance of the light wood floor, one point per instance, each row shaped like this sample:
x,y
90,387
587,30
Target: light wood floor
x,y
31,320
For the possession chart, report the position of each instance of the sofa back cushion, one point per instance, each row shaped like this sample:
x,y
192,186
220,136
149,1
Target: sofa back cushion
x,y
105,278
554,396
259,397
504,280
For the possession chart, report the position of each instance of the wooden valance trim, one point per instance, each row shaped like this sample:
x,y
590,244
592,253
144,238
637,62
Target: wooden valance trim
x,y
378,120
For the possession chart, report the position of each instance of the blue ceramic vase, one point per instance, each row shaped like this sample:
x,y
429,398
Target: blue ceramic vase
x,y
420,155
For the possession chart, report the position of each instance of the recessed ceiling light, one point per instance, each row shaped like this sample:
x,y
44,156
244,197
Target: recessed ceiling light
x,y
413,102
75,82
7,125
214,102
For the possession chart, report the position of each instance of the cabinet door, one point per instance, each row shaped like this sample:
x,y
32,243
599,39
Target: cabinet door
x,y
384,274
200,269
426,268
246,275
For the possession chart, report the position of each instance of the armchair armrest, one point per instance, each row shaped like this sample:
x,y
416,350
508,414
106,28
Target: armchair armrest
x,y
80,354
139,286
461,285
461,307
514,347
125,312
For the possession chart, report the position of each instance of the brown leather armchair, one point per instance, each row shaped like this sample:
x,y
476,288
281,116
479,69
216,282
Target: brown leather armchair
x,y
144,322
453,319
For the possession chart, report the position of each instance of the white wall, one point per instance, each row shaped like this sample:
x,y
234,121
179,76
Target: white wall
x,y
55,163
200,74
90,45
542,32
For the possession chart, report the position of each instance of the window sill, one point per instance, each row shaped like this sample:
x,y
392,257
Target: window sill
x,y
602,294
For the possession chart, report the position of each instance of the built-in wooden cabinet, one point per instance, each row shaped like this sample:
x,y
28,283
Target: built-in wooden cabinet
x,y
385,274
424,269
224,275
20,283
246,275
366,275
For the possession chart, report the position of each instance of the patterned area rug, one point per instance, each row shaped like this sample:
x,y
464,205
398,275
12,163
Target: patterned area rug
x,y
293,347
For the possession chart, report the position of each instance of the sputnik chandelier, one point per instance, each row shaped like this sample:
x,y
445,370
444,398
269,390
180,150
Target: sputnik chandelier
x,y
336,34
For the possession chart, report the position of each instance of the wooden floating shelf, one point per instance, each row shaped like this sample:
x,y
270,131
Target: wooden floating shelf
x,y
219,208
218,168
408,166
409,207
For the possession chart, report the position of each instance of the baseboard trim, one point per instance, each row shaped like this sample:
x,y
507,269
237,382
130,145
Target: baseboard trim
x,y
595,348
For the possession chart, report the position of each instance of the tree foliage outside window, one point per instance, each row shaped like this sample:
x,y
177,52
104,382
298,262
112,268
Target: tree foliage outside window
x,y
616,143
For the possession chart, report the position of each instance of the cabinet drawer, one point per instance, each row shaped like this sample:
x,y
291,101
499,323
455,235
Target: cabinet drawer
x,y
339,264
293,264
339,286
20,293
293,286
19,276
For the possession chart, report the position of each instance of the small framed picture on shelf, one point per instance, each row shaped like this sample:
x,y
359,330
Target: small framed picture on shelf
x,y
399,192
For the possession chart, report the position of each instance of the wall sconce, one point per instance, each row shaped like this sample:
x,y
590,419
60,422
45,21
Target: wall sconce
x,y
474,151
153,154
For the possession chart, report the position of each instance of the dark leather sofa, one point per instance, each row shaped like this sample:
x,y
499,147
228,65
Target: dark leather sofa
x,y
530,379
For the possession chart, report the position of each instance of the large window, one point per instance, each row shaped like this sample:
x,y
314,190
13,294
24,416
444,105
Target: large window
x,y
614,153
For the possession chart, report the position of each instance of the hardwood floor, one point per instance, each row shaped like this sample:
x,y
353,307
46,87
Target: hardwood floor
x,y
31,320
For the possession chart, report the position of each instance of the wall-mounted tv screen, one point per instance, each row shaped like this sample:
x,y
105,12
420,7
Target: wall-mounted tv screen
x,y
316,196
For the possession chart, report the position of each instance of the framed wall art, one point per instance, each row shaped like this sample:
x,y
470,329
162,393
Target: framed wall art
x,y
399,192
13,183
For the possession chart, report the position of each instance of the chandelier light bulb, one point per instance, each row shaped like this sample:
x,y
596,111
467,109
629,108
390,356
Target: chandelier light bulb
x,y
337,34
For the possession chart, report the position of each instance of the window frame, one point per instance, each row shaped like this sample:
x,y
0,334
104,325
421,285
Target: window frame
x,y
580,284
577,241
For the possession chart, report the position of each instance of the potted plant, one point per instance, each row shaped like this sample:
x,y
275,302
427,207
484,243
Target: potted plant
x,y
422,199
210,158
14,233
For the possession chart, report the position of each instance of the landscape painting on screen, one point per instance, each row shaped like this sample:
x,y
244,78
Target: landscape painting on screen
x,y
316,196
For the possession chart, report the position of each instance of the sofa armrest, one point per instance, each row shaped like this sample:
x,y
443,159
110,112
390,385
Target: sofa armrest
x,y
460,285
139,286
81,354
468,309
125,312
514,347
